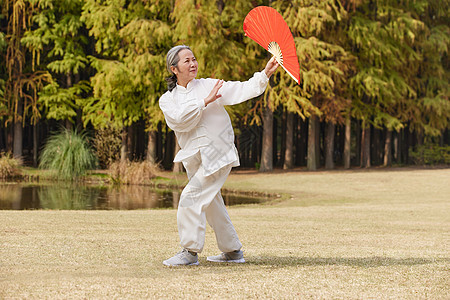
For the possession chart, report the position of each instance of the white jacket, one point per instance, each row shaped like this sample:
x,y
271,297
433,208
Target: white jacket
x,y
208,129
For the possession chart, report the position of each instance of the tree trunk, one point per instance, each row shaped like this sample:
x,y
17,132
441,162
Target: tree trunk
x,y
35,144
347,144
151,147
408,144
275,141
123,148
159,143
289,151
365,147
302,142
397,152
9,138
18,132
283,139
2,139
313,143
177,166
169,147
267,143
130,142
358,142
387,160
329,146
375,146
420,137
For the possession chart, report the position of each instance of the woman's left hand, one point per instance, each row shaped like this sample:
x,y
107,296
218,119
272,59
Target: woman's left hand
x,y
271,66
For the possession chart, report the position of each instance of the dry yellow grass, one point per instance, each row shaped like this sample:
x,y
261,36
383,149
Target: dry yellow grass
x,y
353,235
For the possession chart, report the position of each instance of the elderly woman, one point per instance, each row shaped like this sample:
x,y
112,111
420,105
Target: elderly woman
x,y
194,110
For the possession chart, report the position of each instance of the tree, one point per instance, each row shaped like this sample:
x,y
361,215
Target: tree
x,y
289,152
131,42
21,85
213,29
58,43
383,34
323,66
432,115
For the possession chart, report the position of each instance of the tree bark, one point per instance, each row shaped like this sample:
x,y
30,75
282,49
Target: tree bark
x,y
289,151
275,157
151,147
347,143
302,142
123,148
397,151
169,147
2,139
329,146
387,160
35,144
130,142
267,143
358,142
18,132
375,146
9,138
312,161
365,147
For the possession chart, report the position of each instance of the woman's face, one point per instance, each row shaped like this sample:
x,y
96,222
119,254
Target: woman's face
x,y
187,67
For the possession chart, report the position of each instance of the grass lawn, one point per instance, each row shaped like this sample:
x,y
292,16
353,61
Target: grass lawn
x,y
350,234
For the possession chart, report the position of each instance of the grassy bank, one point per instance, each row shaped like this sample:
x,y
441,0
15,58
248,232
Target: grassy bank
x,y
352,234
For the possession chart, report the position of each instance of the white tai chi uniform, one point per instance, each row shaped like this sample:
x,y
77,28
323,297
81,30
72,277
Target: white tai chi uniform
x,y
208,153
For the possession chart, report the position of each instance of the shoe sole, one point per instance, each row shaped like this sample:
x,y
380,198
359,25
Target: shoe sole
x,y
238,261
192,264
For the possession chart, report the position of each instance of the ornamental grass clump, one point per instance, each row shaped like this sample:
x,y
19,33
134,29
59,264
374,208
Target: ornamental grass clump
x,y
128,172
68,154
9,166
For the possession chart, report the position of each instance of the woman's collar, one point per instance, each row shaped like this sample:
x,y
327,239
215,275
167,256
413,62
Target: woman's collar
x,y
188,87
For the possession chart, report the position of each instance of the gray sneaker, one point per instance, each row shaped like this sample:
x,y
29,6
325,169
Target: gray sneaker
x,y
182,258
234,257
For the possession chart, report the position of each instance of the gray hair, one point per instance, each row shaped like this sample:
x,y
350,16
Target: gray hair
x,y
172,60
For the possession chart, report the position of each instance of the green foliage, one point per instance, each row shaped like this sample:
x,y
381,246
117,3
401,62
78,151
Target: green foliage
x,y
131,44
385,36
324,62
383,62
69,154
430,154
9,166
62,103
57,43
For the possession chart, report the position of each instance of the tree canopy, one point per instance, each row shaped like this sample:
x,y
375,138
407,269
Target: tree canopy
x,y
102,62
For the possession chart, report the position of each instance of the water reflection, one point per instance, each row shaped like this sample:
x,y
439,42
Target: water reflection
x,y
14,196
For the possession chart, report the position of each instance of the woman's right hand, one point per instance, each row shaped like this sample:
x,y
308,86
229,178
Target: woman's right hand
x,y
213,95
271,67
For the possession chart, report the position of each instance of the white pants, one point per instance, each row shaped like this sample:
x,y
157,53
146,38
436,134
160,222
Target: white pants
x,y
202,201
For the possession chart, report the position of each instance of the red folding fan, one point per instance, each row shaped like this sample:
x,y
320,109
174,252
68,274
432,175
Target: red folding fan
x,y
267,27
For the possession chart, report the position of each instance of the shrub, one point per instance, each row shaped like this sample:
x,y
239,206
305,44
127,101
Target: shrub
x,y
68,153
9,166
107,144
132,172
430,154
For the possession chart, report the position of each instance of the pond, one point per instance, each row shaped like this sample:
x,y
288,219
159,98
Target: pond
x,y
20,196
